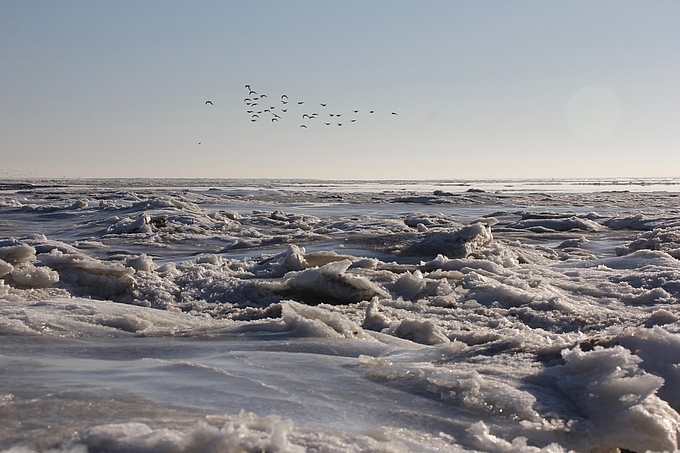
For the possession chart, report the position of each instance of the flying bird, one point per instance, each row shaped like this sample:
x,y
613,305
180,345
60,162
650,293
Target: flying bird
x,y
209,102
301,102
302,125
323,105
394,113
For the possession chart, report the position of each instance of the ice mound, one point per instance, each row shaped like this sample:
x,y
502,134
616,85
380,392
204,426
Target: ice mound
x,y
247,433
471,394
17,269
664,239
243,433
30,276
296,258
412,285
141,224
318,322
480,435
331,283
455,244
660,354
88,276
418,331
556,224
17,254
616,401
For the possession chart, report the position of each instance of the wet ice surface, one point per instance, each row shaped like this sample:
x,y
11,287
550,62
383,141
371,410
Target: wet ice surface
x,y
195,315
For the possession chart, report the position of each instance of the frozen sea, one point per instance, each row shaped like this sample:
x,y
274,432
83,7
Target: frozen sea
x,y
206,315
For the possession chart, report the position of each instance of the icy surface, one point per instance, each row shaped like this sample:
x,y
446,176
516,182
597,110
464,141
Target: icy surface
x,y
193,315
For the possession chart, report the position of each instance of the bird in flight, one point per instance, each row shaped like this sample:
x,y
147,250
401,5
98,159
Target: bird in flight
x,y
334,118
209,103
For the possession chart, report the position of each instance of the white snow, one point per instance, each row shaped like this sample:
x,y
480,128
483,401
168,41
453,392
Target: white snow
x,y
317,319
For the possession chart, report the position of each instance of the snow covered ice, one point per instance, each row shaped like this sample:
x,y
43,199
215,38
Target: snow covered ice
x,y
329,316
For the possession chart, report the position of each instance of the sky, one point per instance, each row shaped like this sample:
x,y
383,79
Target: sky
x,y
482,89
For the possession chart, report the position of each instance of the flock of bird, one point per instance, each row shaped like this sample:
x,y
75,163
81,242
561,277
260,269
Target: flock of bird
x,y
259,108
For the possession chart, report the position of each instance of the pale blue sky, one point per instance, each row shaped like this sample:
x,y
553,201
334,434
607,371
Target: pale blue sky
x,y
484,89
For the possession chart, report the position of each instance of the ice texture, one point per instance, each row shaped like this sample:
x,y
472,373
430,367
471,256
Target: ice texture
x,y
288,316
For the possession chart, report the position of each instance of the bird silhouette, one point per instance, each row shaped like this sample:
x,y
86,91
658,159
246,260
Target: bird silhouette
x,y
253,98
209,103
